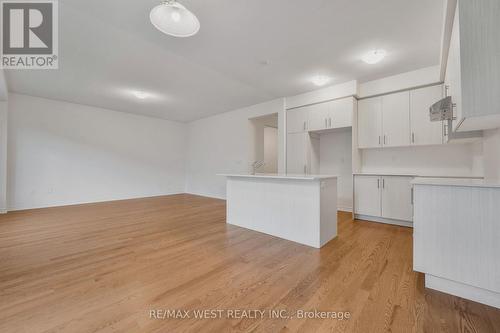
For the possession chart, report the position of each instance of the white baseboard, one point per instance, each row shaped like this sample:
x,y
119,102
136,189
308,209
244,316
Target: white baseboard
x,y
345,209
207,195
466,291
383,220
83,202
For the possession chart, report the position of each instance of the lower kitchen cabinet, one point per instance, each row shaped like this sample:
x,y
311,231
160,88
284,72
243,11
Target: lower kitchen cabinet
x,y
396,198
367,195
383,198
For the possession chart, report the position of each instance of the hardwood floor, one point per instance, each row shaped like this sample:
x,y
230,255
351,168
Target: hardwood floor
x,y
104,267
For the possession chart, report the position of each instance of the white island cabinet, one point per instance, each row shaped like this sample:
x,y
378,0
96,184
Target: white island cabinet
x,y
299,208
456,237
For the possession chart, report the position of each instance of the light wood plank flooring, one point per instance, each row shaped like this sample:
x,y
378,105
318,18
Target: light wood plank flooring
x,y
103,267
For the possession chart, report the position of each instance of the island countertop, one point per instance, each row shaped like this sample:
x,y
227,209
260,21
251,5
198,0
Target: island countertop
x,y
280,176
456,182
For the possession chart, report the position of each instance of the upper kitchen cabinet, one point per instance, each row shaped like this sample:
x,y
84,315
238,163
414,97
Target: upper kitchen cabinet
x,y
396,119
399,119
342,112
370,123
318,115
424,131
473,67
331,115
384,121
296,120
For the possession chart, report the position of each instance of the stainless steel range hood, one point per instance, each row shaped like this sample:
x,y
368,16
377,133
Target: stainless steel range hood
x,y
443,111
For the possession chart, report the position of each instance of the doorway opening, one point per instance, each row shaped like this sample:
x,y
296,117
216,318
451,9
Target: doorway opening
x,y
264,153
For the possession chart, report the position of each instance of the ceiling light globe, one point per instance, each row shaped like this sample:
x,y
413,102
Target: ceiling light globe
x,y
320,80
176,16
172,18
374,56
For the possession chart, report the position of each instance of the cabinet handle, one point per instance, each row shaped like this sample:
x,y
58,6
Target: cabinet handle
x,y
412,137
330,122
383,183
304,125
326,123
378,183
305,169
379,143
412,195
384,140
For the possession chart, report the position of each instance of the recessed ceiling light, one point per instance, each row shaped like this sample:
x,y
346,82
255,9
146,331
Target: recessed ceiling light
x,y
320,80
172,18
140,94
374,56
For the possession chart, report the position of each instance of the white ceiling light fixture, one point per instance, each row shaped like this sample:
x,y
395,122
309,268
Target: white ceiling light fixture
x,y
374,56
172,18
320,80
140,94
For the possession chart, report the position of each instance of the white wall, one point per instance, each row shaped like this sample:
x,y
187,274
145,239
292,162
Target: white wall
x,y
62,153
491,149
336,159
224,144
420,77
459,160
336,91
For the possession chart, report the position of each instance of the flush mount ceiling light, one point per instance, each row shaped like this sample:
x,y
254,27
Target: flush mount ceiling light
x,y
320,80
172,18
140,94
374,56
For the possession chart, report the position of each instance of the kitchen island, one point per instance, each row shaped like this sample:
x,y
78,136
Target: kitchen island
x,y
299,208
455,237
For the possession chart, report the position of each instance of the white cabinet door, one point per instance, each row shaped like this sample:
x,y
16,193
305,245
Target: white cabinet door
x,y
296,120
424,131
370,122
396,198
367,195
297,152
340,114
318,116
396,119
312,166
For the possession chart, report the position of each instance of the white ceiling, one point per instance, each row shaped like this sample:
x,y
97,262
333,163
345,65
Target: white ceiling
x,y
107,48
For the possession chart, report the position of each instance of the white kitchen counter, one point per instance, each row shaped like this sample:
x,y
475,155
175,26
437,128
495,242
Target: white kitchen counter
x,y
384,174
396,174
280,176
299,208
